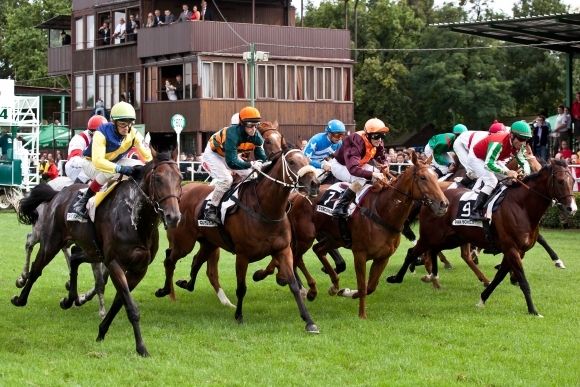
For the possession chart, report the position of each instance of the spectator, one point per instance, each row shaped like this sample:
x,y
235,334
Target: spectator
x,y
169,18
570,136
100,110
183,163
575,170
185,15
120,31
170,90
576,116
65,38
132,28
179,87
59,162
6,144
51,171
565,150
195,15
57,122
205,13
158,19
406,157
303,145
541,132
150,21
105,34
190,158
560,132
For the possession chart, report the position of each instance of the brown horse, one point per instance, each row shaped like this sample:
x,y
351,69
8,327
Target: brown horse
x,y
375,233
514,227
257,229
126,231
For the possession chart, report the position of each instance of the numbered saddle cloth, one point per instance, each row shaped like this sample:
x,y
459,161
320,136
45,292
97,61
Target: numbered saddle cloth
x,y
330,198
92,204
467,202
223,208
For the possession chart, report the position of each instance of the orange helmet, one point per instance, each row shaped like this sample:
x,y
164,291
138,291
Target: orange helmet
x,y
249,114
374,125
95,122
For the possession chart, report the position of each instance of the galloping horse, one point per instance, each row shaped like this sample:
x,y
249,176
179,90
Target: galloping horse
x,y
514,227
125,229
375,228
257,229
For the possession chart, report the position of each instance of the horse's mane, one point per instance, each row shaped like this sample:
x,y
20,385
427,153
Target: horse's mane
x,y
269,167
545,165
140,170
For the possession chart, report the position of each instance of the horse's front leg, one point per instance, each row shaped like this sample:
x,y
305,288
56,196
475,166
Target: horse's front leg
x,y
466,255
286,267
312,292
553,256
31,240
501,273
98,289
261,274
517,267
214,279
320,249
411,256
74,262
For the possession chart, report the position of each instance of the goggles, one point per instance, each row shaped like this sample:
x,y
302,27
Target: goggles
x,y
252,124
124,124
337,136
377,136
520,138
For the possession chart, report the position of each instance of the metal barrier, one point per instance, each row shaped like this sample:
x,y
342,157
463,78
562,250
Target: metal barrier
x,y
193,171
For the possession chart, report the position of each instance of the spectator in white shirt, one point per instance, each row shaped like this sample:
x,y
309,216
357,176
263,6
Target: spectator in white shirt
x,y
560,133
120,31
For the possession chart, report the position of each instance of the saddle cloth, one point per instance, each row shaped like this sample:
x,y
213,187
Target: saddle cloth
x,y
223,208
330,198
92,204
467,202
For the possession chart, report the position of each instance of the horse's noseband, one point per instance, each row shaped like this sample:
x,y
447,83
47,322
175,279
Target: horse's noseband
x,y
151,198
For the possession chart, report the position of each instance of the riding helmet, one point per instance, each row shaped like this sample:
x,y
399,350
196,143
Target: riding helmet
x,y
459,128
521,129
335,126
123,110
374,125
249,114
95,122
497,127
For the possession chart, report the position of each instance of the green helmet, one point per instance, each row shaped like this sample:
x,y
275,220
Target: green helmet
x,y
459,128
123,110
521,129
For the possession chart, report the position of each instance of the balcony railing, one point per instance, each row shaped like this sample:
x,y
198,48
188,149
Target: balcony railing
x,y
59,60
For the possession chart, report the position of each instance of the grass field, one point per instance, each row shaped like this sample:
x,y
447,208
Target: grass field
x,y
415,335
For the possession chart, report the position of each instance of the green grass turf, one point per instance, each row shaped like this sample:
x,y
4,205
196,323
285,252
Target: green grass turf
x,y
415,335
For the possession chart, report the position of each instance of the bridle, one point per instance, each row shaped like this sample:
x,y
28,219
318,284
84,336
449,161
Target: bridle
x,y
553,185
151,198
425,201
287,172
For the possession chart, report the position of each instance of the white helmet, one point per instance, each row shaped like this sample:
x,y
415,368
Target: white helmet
x,y
235,119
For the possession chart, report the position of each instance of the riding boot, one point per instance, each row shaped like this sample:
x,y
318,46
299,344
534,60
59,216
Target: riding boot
x,y
341,208
478,211
80,208
465,182
212,214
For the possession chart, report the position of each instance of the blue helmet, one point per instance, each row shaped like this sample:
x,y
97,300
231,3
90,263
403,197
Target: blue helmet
x,y
459,128
335,126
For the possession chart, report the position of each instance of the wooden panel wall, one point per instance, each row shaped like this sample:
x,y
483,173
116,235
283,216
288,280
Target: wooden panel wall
x,y
110,59
157,115
59,60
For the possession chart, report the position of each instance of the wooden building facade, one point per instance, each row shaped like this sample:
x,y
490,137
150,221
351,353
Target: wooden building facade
x,y
306,82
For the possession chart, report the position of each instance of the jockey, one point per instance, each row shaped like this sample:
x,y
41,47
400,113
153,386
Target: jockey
x,y
350,162
465,141
324,144
76,147
104,157
221,156
439,146
484,160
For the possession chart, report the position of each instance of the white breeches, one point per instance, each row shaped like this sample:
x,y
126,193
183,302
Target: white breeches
x,y
489,178
222,177
341,172
443,168
463,155
102,177
74,169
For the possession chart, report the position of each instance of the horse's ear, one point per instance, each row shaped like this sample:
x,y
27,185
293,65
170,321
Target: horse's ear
x,y
153,152
174,154
429,160
414,158
275,124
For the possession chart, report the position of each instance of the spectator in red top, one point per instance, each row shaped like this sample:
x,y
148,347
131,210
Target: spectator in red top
x,y
576,116
574,161
52,170
565,150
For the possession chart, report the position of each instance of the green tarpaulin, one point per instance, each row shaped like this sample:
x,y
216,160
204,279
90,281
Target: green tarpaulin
x,y
51,136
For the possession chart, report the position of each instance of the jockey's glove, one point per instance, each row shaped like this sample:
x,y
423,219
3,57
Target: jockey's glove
x,y
257,165
125,170
378,176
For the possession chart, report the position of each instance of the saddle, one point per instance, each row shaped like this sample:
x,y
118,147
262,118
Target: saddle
x,y
93,202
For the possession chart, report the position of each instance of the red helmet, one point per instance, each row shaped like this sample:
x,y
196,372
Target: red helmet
x,y
497,127
95,122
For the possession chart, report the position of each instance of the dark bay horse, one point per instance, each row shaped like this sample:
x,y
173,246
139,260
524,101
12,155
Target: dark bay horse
x,y
255,232
375,235
514,227
126,230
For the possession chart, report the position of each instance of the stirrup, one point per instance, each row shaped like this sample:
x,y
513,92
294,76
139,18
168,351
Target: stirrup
x,y
213,216
340,212
477,216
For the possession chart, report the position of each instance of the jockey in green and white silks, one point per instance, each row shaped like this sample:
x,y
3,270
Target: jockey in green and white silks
x,y
439,146
485,156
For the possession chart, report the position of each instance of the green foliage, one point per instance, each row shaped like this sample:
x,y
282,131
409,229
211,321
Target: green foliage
x,y
554,218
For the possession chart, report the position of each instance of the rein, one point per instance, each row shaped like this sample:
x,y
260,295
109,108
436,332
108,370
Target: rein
x,y
550,199
425,201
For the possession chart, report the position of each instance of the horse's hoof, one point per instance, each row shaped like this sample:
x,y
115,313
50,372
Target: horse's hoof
x,y
312,328
183,284
311,296
256,276
160,293
346,292
480,304
100,337
514,282
340,267
496,267
303,292
14,301
240,320
20,282
558,263
332,290
281,281
67,286
486,284
81,300
393,280
65,303
448,266
143,352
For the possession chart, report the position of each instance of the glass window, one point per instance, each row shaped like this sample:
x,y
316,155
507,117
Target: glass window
x,y
323,83
281,82
338,84
261,82
187,81
90,31
300,83
151,84
102,96
79,34
218,80
228,80
108,91
309,95
115,89
270,86
291,84
241,79
79,97
137,89
346,84
90,91
206,79
123,88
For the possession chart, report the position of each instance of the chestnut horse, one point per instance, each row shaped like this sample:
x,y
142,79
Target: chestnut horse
x,y
375,234
126,230
514,227
259,230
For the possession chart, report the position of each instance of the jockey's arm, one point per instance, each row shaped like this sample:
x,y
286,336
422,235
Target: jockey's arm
x,y
522,160
309,152
144,151
438,152
259,153
233,161
98,154
491,164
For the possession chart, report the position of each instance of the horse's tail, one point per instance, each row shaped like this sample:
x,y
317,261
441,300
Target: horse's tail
x,y
27,213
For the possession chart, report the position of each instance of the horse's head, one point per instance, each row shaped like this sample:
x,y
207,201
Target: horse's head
x,y
562,186
273,140
425,185
163,181
297,172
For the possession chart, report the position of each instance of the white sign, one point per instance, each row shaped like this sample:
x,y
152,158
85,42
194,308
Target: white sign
x,y
6,101
178,123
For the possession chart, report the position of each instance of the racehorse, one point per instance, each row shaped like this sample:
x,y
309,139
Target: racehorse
x,y
257,229
375,233
126,236
514,227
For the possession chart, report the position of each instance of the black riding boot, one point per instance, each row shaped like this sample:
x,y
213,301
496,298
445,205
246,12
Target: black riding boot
x,y
477,212
341,208
212,214
465,182
80,207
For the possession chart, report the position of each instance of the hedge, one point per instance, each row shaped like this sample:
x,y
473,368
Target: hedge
x,y
554,218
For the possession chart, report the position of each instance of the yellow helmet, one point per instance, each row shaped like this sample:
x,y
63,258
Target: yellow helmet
x,y
249,114
123,110
374,125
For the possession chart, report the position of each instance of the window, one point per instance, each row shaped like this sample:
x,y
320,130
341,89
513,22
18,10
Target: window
x,y
206,79
218,80
151,90
338,92
187,81
300,83
108,91
291,83
90,31
324,83
309,95
102,95
90,91
228,80
242,80
137,90
115,89
79,97
265,81
79,34
118,15
281,82
346,89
